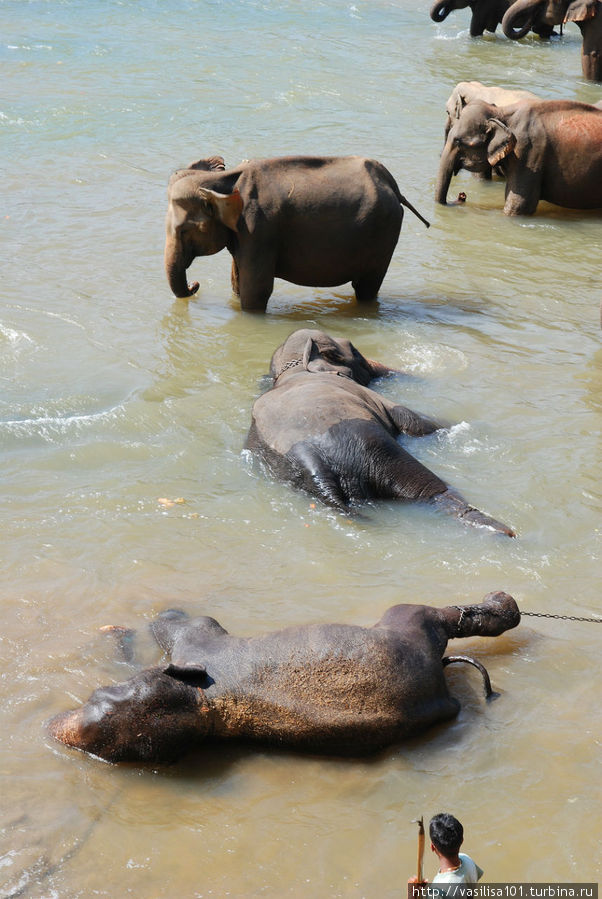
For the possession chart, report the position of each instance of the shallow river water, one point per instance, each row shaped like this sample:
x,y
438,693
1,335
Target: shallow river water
x,y
115,396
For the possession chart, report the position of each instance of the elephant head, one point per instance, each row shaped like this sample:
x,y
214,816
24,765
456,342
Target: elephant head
x,y
478,140
316,351
199,221
149,716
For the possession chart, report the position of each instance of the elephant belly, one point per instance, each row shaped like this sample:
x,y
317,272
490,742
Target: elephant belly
x,y
346,697
573,177
328,246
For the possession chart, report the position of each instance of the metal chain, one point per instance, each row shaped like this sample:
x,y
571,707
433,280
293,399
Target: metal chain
x,y
464,609
561,617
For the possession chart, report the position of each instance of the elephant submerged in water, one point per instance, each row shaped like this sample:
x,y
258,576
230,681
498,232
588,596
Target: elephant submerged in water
x,y
546,150
322,429
334,688
315,221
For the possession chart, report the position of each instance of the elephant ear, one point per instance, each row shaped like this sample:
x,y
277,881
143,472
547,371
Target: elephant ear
x,y
580,10
212,164
501,143
323,356
227,207
461,102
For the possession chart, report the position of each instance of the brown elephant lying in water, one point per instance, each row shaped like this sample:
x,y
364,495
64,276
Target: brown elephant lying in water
x,y
333,688
322,429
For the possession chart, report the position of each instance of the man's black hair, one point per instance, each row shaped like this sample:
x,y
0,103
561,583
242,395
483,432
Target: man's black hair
x,y
446,833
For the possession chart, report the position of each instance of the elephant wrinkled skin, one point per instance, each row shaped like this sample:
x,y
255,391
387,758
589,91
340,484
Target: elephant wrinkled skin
x,y
546,150
314,221
322,429
333,688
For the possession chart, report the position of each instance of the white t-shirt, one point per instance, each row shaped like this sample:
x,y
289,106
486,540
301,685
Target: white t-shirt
x,y
467,872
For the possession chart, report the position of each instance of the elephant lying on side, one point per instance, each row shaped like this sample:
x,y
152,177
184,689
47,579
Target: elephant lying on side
x,y
322,429
333,688
316,221
587,14
486,15
546,149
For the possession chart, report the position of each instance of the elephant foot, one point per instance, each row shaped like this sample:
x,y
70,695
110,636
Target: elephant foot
x,y
453,504
489,692
124,637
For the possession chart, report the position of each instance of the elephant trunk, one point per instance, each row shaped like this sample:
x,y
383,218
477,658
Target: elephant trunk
x,y
448,166
520,17
441,10
175,269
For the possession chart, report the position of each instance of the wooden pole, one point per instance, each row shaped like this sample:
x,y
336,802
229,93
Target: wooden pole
x,y
420,873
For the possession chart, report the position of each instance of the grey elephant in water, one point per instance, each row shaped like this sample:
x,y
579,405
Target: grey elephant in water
x,y
315,221
546,150
524,15
335,688
322,429
486,15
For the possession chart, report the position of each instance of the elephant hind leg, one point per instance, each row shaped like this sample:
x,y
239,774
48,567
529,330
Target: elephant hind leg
x,y
455,505
366,288
313,473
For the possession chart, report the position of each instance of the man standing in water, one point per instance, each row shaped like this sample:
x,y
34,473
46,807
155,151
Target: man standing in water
x,y
447,836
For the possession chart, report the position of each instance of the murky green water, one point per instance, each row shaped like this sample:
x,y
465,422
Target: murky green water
x,y
113,395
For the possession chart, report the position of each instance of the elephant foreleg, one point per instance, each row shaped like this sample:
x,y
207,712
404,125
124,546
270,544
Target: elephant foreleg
x,y
124,640
523,191
255,281
450,660
234,278
413,423
591,48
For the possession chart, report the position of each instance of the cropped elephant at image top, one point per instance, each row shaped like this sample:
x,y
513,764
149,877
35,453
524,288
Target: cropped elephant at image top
x,y
313,221
331,688
546,150
323,430
524,15
486,15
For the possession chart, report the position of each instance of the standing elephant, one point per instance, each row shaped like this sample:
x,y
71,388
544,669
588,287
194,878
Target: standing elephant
x,y
486,15
332,688
322,429
547,150
587,14
316,221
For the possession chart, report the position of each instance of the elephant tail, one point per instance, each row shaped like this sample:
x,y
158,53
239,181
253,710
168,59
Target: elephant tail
x,y
409,206
451,660
454,504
